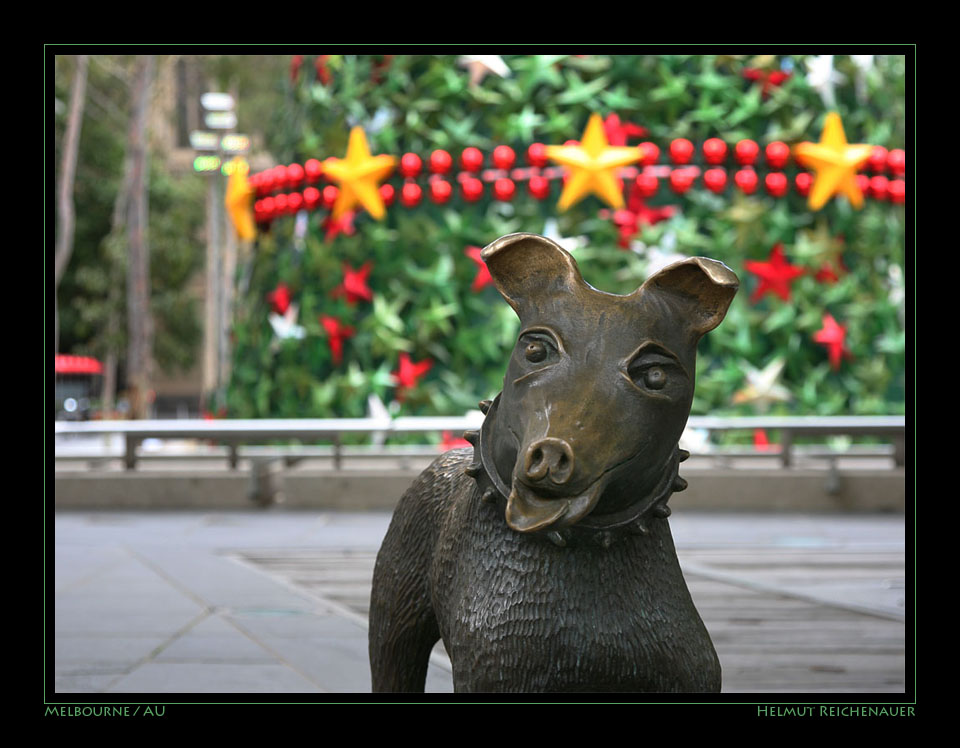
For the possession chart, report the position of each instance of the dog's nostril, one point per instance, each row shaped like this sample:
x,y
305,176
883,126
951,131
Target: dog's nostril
x,y
537,456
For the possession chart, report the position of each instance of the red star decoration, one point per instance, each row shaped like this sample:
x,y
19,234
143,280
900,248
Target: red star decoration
x,y
409,373
830,272
637,213
336,334
617,132
452,442
769,79
320,65
833,336
337,226
483,277
775,275
279,299
295,63
354,286
761,442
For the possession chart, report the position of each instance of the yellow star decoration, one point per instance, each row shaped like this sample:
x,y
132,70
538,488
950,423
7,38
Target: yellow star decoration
x,y
836,163
593,166
359,176
239,201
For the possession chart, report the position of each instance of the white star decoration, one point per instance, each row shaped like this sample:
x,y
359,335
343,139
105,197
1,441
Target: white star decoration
x,y
762,388
822,78
286,327
551,231
480,65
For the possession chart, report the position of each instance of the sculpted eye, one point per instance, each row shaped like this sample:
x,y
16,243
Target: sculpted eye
x,y
653,371
535,351
538,347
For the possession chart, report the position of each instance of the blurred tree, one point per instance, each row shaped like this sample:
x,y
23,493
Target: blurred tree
x,y
424,303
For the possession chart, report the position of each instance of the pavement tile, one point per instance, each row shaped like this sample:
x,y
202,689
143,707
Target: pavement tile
x,y
178,677
214,640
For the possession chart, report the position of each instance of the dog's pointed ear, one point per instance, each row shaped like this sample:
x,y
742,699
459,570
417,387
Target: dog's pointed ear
x,y
527,267
705,286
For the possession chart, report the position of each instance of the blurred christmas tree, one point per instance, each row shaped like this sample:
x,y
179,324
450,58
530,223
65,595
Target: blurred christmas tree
x,y
335,306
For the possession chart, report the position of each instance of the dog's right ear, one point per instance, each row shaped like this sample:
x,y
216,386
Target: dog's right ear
x,y
527,267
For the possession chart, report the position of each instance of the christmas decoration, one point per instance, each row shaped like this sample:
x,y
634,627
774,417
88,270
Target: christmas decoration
x,y
354,287
822,78
482,278
835,163
408,374
482,65
285,326
775,275
763,387
618,132
239,201
279,299
833,336
337,333
768,79
593,166
359,175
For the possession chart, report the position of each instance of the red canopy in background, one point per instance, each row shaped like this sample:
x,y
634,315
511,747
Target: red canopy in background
x,y
77,365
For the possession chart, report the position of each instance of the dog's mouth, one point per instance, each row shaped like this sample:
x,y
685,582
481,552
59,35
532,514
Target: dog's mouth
x,y
529,512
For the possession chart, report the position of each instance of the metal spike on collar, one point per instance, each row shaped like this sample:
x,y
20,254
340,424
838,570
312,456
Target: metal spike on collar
x,y
680,484
662,511
490,494
485,406
683,454
472,436
559,537
473,470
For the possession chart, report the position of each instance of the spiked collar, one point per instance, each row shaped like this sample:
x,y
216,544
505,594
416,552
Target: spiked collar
x,y
601,530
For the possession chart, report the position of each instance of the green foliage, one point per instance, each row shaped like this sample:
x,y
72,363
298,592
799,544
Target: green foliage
x,y
423,304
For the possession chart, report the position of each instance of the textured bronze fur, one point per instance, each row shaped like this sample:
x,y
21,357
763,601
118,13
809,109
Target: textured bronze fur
x,y
543,557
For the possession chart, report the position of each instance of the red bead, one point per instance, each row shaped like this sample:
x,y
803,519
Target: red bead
x,y
539,187
311,196
647,185
863,182
504,189
878,159
504,157
776,183
879,185
279,177
330,194
440,191
294,174
746,180
897,162
715,180
440,162
411,194
410,165
897,191
681,180
649,153
280,204
803,180
388,194
746,152
313,169
472,189
294,202
537,155
471,159
778,153
681,151
269,207
714,151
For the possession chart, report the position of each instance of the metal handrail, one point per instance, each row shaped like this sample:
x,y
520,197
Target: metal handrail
x,y
236,431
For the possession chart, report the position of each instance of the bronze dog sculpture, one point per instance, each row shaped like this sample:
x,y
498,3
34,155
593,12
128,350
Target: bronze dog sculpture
x,y
543,557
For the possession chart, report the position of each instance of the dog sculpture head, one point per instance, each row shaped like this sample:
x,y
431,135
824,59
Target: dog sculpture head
x,y
598,388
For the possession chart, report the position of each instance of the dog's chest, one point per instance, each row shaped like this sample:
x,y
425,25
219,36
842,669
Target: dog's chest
x,y
517,612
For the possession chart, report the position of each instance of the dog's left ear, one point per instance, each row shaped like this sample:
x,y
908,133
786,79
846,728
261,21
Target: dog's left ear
x,y
706,287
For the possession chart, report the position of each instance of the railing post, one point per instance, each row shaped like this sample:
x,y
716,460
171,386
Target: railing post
x,y
232,456
130,451
786,449
337,452
899,450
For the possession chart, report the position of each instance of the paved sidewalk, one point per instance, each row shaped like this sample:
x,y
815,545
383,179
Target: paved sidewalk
x,y
234,602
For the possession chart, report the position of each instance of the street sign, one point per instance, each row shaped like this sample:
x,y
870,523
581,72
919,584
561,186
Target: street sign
x,y
216,102
220,120
234,143
206,164
201,140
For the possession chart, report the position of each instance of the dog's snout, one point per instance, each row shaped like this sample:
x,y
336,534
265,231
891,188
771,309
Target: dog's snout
x,y
548,461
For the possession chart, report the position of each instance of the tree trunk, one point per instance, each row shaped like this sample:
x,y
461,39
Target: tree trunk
x,y
68,170
139,319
